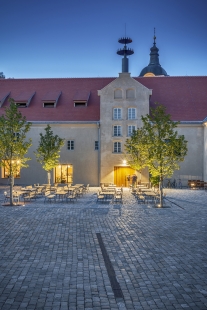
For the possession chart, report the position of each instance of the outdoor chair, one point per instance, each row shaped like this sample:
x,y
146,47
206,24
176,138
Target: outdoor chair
x,y
79,192
6,197
30,195
49,197
118,198
150,199
100,197
71,197
119,190
140,198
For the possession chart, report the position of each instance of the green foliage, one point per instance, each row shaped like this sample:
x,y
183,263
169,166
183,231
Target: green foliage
x,y
13,147
136,154
156,145
49,148
13,144
164,147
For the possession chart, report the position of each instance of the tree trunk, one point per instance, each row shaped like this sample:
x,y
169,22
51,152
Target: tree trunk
x,y
161,191
48,177
11,181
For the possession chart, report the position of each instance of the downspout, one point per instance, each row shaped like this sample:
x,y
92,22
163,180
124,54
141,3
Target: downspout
x,y
99,152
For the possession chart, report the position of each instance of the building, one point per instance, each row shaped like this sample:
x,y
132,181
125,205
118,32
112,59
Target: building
x,y
96,115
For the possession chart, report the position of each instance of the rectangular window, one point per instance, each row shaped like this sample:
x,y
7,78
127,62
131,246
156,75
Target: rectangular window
x,y
96,145
64,174
117,113
131,113
15,168
117,131
117,147
131,128
48,104
80,104
70,145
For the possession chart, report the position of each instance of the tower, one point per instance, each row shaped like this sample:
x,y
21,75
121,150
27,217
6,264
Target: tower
x,y
154,68
125,51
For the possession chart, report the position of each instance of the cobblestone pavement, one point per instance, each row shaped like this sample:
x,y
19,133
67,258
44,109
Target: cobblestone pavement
x,y
86,255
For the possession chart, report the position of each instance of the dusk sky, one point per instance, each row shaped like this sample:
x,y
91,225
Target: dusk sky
x,y
79,38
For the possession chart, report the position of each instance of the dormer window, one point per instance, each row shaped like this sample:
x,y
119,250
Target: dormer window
x,y
21,104
48,104
50,99
80,103
24,99
81,98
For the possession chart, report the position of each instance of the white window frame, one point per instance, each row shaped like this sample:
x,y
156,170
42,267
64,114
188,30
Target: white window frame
x,y
117,131
117,147
131,113
117,113
70,145
130,130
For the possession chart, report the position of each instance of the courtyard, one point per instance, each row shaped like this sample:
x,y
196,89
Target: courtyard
x,y
89,255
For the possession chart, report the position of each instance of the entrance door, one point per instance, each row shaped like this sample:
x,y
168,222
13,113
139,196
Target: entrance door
x,y
120,175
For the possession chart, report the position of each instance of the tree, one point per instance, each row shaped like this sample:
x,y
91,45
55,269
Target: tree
x,y
48,150
13,144
160,148
135,153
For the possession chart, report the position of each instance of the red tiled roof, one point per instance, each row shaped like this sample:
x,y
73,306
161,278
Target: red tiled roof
x,y
184,97
3,96
51,96
65,110
81,95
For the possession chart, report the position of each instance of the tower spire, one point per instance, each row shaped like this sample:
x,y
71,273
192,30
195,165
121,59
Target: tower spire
x,y
125,51
154,68
154,38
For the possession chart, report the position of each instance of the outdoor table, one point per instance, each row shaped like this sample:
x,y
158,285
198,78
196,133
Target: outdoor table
x,y
108,195
150,193
145,189
24,189
108,189
61,194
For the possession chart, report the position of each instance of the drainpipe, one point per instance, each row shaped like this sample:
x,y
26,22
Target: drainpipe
x,y
99,152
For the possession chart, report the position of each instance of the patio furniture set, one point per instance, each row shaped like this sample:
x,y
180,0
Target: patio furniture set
x,y
146,195
110,194
197,184
50,193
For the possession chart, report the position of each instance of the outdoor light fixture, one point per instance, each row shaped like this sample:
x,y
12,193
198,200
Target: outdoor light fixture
x,y
124,161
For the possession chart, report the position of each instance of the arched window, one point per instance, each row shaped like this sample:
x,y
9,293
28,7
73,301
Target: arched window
x,y
117,94
130,93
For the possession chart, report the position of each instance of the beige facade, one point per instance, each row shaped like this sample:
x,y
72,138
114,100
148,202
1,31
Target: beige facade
x,y
97,153
193,165
122,103
83,159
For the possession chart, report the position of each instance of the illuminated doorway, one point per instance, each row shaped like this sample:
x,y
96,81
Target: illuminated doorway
x,y
64,174
121,174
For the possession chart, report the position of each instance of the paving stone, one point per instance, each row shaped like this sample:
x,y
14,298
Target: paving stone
x,y
51,259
